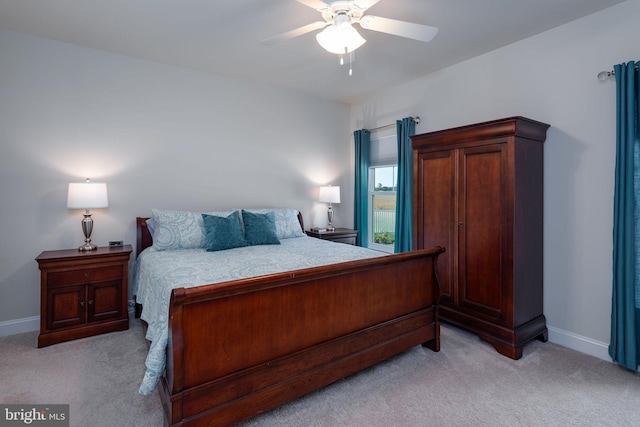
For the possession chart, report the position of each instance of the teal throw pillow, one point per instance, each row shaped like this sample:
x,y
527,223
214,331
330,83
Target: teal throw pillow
x,y
223,232
260,229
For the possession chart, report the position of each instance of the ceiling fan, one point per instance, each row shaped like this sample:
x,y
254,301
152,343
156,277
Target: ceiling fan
x,y
340,37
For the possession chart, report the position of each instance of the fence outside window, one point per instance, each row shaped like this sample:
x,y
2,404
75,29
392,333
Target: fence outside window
x,y
384,221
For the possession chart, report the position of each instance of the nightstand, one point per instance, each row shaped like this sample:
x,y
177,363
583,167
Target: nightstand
x,y
340,235
83,293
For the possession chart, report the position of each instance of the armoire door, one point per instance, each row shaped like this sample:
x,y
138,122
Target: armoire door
x,y
482,220
438,205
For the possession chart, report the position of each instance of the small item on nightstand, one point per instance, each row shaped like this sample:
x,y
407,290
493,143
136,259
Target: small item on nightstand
x,y
318,229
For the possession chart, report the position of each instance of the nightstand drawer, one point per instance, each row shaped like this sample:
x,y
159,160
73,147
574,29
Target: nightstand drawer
x,y
338,235
84,276
347,240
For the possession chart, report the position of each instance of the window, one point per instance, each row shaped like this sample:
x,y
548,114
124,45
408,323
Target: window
x,y
382,207
383,175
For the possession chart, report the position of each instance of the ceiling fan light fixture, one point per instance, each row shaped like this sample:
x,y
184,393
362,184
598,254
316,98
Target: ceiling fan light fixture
x,y
340,38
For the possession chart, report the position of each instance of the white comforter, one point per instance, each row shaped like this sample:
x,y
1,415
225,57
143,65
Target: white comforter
x,y
158,272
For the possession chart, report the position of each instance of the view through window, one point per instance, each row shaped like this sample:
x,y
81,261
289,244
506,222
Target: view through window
x,y
382,207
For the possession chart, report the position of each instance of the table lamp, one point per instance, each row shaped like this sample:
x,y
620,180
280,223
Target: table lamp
x,y
329,194
87,195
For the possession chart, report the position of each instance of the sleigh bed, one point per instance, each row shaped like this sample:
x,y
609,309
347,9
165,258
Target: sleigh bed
x,y
241,347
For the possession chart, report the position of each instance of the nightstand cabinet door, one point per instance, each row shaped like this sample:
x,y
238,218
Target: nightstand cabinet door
x,y
82,293
65,306
104,301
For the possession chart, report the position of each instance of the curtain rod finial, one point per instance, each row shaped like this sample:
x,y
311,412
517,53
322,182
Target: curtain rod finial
x,y
605,75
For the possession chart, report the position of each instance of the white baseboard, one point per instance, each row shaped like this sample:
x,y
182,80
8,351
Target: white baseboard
x,y
29,324
18,326
579,343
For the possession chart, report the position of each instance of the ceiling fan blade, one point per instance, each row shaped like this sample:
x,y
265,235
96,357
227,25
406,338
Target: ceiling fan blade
x,y
318,5
294,33
363,5
423,33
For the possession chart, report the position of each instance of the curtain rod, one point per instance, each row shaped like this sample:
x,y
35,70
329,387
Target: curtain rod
x,y
415,119
605,75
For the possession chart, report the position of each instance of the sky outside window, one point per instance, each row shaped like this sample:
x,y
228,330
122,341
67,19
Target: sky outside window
x,y
385,176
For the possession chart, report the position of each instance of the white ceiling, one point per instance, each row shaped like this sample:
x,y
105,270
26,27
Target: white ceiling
x,y
223,36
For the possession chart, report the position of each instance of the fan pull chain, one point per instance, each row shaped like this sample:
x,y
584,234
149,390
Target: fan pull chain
x,y
350,60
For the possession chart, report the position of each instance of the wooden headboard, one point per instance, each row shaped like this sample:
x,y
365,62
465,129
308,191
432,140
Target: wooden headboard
x,y
144,239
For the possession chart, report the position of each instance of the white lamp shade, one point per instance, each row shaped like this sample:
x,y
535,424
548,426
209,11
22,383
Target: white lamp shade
x,y
87,195
340,38
329,194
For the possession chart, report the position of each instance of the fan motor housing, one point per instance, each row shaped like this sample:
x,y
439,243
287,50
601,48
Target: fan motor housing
x,y
342,8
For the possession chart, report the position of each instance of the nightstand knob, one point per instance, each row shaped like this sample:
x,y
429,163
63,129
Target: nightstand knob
x,y
86,274
90,302
81,303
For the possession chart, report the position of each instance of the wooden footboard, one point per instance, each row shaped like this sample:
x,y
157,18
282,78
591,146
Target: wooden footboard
x,y
239,348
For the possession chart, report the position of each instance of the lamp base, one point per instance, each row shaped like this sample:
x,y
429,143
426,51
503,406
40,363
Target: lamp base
x,y
87,229
87,247
330,227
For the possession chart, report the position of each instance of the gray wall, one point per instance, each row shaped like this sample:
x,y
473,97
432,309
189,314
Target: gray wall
x,y
551,78
160,136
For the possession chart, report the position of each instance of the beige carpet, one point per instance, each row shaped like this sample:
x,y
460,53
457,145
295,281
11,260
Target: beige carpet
x,y
466,384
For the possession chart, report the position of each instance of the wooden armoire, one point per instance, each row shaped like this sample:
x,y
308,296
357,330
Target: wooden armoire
x,y
478,192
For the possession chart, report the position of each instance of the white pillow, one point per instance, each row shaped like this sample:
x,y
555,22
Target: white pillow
x,y
179,229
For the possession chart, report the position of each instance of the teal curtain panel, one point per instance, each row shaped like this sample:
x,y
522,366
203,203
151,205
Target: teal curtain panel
x,y
404,194
361,139
625,312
